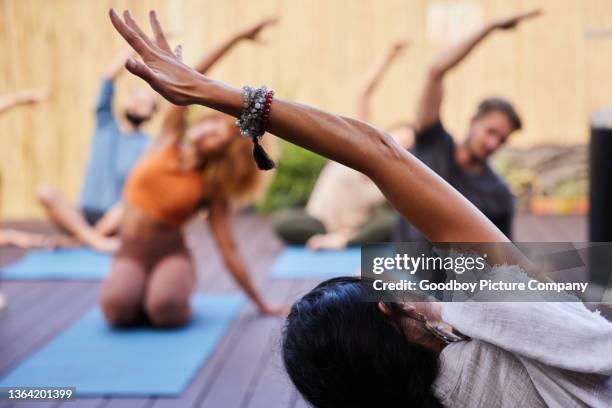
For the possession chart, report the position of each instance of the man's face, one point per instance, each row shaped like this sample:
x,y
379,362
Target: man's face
x,y
140,104
487,134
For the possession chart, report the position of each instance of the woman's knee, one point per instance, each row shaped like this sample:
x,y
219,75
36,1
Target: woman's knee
x,y
295,227
168,311
120,310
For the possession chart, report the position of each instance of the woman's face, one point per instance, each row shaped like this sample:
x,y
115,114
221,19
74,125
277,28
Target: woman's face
x,y
209,138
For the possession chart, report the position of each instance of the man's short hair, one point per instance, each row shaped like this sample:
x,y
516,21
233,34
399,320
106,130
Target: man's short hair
x,y
501,105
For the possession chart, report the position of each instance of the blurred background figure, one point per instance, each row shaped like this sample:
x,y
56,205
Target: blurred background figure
x,y
117,144
203,164
7,102
465,166
13,237
345,207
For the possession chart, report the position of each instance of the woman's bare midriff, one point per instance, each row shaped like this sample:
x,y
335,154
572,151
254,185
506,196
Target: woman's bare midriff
x,y
137,224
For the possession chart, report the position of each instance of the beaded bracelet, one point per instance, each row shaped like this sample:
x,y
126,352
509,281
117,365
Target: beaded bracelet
x,y
254,119
251,117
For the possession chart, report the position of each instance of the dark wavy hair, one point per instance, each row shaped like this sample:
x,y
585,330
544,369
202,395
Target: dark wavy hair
x,y
342,351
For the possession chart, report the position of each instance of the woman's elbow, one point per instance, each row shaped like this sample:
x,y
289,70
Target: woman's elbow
x,y
384,150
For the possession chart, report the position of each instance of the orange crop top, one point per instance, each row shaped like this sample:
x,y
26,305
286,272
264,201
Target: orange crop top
x,y
163,191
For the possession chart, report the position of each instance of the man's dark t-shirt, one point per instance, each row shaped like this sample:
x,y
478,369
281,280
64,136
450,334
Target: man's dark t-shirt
x,y
435,147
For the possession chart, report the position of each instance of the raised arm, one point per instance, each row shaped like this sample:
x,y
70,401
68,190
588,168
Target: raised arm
x,y
117,66
173,125
428,108
421,196
27,96
373,78
106,93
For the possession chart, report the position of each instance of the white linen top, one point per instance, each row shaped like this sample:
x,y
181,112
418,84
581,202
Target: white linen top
x,y
556,354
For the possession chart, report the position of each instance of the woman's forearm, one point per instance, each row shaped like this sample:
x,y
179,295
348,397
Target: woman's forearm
x,y
421,196
242,277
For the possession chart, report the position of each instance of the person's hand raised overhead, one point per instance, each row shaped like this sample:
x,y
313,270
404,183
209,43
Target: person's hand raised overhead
x,y
507,23
34,95
160,67
252,33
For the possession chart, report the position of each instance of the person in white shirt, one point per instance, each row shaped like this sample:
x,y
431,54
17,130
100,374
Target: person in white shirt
x,y
345,207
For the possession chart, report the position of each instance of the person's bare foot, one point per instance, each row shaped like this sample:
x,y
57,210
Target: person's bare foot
x,y
29,240
25,240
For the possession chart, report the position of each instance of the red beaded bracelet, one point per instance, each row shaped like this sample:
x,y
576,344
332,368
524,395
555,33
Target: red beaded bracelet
x,y
266,112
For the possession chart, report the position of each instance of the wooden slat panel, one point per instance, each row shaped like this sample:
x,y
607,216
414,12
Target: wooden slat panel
x,y
317,54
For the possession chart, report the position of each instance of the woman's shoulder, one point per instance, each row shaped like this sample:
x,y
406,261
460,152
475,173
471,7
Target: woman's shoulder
x,y
475,373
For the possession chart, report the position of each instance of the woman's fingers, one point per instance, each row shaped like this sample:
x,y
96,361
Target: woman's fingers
x,y
128,34
136,28
160,37
140,69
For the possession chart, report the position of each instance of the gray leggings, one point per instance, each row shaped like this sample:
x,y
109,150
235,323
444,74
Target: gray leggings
x,y
295,227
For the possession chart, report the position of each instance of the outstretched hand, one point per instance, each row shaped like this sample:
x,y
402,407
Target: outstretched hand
x,y
160,67
512,21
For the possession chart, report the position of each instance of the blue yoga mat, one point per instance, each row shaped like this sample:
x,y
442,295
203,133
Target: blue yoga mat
x,y
69,264
299,263
101,361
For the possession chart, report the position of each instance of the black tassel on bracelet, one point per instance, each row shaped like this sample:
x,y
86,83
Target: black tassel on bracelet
x,y
263,160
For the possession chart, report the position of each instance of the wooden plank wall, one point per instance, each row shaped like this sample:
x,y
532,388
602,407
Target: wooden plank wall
x,y
317,54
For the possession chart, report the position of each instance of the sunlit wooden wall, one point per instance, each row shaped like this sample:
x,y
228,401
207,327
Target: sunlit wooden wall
x,y
557,68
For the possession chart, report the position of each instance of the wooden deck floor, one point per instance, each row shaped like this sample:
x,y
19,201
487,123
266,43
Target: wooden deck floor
x,y
245,371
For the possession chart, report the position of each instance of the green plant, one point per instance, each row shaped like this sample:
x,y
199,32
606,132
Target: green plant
x,y
296,174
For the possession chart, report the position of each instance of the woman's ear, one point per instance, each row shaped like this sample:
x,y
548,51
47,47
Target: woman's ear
x,y
405,307
383,308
